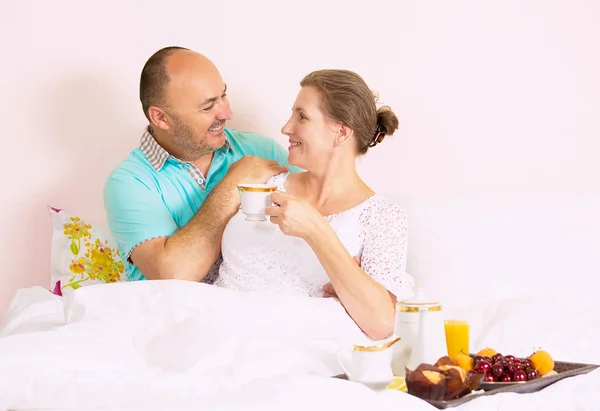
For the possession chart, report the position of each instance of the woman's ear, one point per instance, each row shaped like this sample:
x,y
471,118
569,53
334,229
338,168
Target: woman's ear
x,y
344,134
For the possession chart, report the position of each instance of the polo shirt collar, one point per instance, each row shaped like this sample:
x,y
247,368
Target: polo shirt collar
x,y
157,156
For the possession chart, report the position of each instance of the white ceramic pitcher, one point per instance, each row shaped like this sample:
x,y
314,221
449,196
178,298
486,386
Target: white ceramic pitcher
x,y
420,326
371,365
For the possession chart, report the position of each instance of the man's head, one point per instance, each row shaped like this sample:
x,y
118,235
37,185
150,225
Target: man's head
x,y
184,99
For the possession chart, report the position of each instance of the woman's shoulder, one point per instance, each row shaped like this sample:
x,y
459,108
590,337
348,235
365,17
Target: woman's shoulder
x,y
279,180
383,209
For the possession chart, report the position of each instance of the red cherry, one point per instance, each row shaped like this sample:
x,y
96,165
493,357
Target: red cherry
x,y
506,378
489,378
527,363
483,366
520,376
497,370
510,358
497,357
518,366
531,374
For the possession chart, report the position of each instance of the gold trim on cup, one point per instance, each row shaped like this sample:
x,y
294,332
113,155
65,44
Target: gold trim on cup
x,y
257,189
379,347
405,309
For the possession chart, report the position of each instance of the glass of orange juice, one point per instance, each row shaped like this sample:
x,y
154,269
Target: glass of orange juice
x,y
457,337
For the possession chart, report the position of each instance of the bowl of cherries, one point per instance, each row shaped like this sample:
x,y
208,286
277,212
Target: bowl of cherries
x,y
500,370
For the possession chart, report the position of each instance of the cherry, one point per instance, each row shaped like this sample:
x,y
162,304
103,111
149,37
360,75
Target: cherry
x,y
497,357
506,378
531,374
488,359
483,366
505,362
497,370
518,366
520,376
489,378
510,358
476,359
527,363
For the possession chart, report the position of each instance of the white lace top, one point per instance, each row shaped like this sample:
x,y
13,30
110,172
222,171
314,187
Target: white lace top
x,y
257,256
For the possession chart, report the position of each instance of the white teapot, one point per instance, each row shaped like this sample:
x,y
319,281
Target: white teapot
x,y
420,326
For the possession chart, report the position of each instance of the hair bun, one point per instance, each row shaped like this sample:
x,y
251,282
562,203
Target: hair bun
x,y
387,122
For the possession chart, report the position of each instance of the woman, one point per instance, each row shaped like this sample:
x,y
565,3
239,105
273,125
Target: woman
x,y
326,219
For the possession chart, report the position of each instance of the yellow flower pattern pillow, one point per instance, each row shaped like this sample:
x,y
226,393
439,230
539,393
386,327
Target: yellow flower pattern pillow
x,y
83,253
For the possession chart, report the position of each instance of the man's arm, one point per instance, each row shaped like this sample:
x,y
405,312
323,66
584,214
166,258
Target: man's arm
x,y
190,253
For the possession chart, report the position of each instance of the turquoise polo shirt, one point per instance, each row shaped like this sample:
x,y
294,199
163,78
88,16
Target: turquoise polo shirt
x,y
152,194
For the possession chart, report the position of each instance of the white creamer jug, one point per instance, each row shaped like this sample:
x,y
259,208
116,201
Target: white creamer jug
x,y
420,326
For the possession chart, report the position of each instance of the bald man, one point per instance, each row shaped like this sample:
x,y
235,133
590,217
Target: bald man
x,y
169,201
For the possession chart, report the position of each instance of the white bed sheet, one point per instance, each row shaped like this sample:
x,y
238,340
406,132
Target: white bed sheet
x,y
182,345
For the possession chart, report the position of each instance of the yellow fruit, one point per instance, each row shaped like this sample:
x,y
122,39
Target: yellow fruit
x,y
542,362
463,361
398,383
487,352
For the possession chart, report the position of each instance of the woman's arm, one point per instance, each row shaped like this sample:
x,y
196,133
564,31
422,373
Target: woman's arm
x,y
368,302
362,290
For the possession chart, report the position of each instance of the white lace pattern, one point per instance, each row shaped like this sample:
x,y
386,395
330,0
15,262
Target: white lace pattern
x,y
257,256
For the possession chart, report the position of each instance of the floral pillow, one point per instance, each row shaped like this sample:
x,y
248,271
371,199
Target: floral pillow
x,y
83,253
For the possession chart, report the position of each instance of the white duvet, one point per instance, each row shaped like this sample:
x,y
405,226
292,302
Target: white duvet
x,y
179,345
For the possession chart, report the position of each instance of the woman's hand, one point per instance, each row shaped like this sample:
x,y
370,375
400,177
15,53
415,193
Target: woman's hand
x,y
294,217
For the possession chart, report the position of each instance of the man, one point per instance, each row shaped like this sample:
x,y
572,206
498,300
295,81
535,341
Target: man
x,y
169,201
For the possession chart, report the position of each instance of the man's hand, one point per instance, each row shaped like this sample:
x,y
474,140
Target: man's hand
x,y
252,170
328,290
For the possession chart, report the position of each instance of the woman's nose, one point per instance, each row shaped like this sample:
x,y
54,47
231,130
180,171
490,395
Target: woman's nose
x,y
286,129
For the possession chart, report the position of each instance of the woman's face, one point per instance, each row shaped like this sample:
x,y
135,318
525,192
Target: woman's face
x,y
312,135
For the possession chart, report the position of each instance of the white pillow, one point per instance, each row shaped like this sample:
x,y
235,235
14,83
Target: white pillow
x,y
83,253
470,249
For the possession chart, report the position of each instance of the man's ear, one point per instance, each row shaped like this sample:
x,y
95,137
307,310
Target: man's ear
x,y
344,134
158,118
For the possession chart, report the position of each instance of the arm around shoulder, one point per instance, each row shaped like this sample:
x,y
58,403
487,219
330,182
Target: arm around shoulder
x,y
149,236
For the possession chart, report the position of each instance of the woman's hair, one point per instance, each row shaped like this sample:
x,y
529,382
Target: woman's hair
x,y
345,97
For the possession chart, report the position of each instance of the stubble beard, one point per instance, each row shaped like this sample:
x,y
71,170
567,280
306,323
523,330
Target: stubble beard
x,y
188,142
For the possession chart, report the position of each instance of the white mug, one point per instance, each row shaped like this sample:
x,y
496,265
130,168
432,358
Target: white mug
x,y
255,198
371,365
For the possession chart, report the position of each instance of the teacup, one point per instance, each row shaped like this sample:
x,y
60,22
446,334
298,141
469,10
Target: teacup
x,y
255,198
370,365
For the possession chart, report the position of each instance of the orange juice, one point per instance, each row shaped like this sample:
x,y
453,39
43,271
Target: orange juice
x,y
457,337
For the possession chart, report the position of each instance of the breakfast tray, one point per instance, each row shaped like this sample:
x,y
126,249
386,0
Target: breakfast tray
x,y
563,369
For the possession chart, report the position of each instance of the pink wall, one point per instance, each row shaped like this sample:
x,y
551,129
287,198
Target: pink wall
x,y
492,98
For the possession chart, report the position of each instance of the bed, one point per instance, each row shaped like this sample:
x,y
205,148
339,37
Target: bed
x,y
182,345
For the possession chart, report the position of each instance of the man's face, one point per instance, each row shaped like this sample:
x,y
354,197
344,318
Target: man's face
x,y
197,109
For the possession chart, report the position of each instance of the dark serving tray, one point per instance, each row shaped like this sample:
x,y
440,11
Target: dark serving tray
x,y
563,369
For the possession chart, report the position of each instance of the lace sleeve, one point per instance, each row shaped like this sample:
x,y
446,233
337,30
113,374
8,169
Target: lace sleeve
x,y
279,180
385,234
